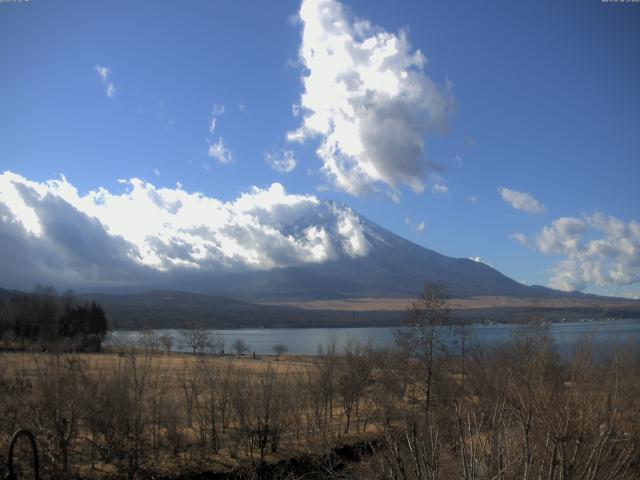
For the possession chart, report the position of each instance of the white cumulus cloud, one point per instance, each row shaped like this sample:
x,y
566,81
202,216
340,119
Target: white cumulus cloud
x,y
217,150
520,238
216,111
221,152
521,200
282,162
104,73
563,236
440,188
418,227
51,232
597,249
367,98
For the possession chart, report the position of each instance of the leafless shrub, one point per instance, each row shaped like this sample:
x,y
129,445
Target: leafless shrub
x,y
240,346
57,410
353,379
166,341
217,343
424,339
280,349
196,340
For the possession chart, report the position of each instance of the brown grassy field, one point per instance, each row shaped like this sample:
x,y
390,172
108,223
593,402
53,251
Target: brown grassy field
x,y
137,413
400,304
172,364
177,398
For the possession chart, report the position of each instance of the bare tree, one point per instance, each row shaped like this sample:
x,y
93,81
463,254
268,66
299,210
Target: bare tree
x,y
240,346
225,384
159,415
217,343
149,341
167,343
117,412
196,340
327,367
353,378
57,409
423,334
412,449
280,349
191,386
241,406
269,407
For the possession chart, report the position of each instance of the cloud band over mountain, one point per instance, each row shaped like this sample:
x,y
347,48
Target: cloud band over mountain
x,y
50,232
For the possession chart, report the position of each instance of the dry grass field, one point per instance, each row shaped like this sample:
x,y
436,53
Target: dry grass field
x,y
401,304
136,413
171,365
179,412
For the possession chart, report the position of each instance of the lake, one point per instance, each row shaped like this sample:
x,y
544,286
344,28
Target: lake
x,y
305,341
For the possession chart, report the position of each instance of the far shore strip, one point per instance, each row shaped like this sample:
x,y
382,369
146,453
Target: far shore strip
x,y
395,304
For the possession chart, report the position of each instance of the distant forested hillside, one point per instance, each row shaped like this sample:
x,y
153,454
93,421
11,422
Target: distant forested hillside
x,y
47,316
174,309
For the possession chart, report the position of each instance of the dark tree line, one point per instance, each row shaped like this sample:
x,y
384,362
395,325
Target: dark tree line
x,y
44,318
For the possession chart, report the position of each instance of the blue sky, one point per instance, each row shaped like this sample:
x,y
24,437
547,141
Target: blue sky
x,y
541,98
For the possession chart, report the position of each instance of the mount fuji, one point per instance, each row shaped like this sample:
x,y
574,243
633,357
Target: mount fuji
x,y
368,261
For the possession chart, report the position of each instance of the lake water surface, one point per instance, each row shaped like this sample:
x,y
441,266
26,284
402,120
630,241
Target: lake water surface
x,y
306,340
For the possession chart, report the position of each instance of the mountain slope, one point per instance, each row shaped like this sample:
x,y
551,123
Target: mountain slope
x,y
392,267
